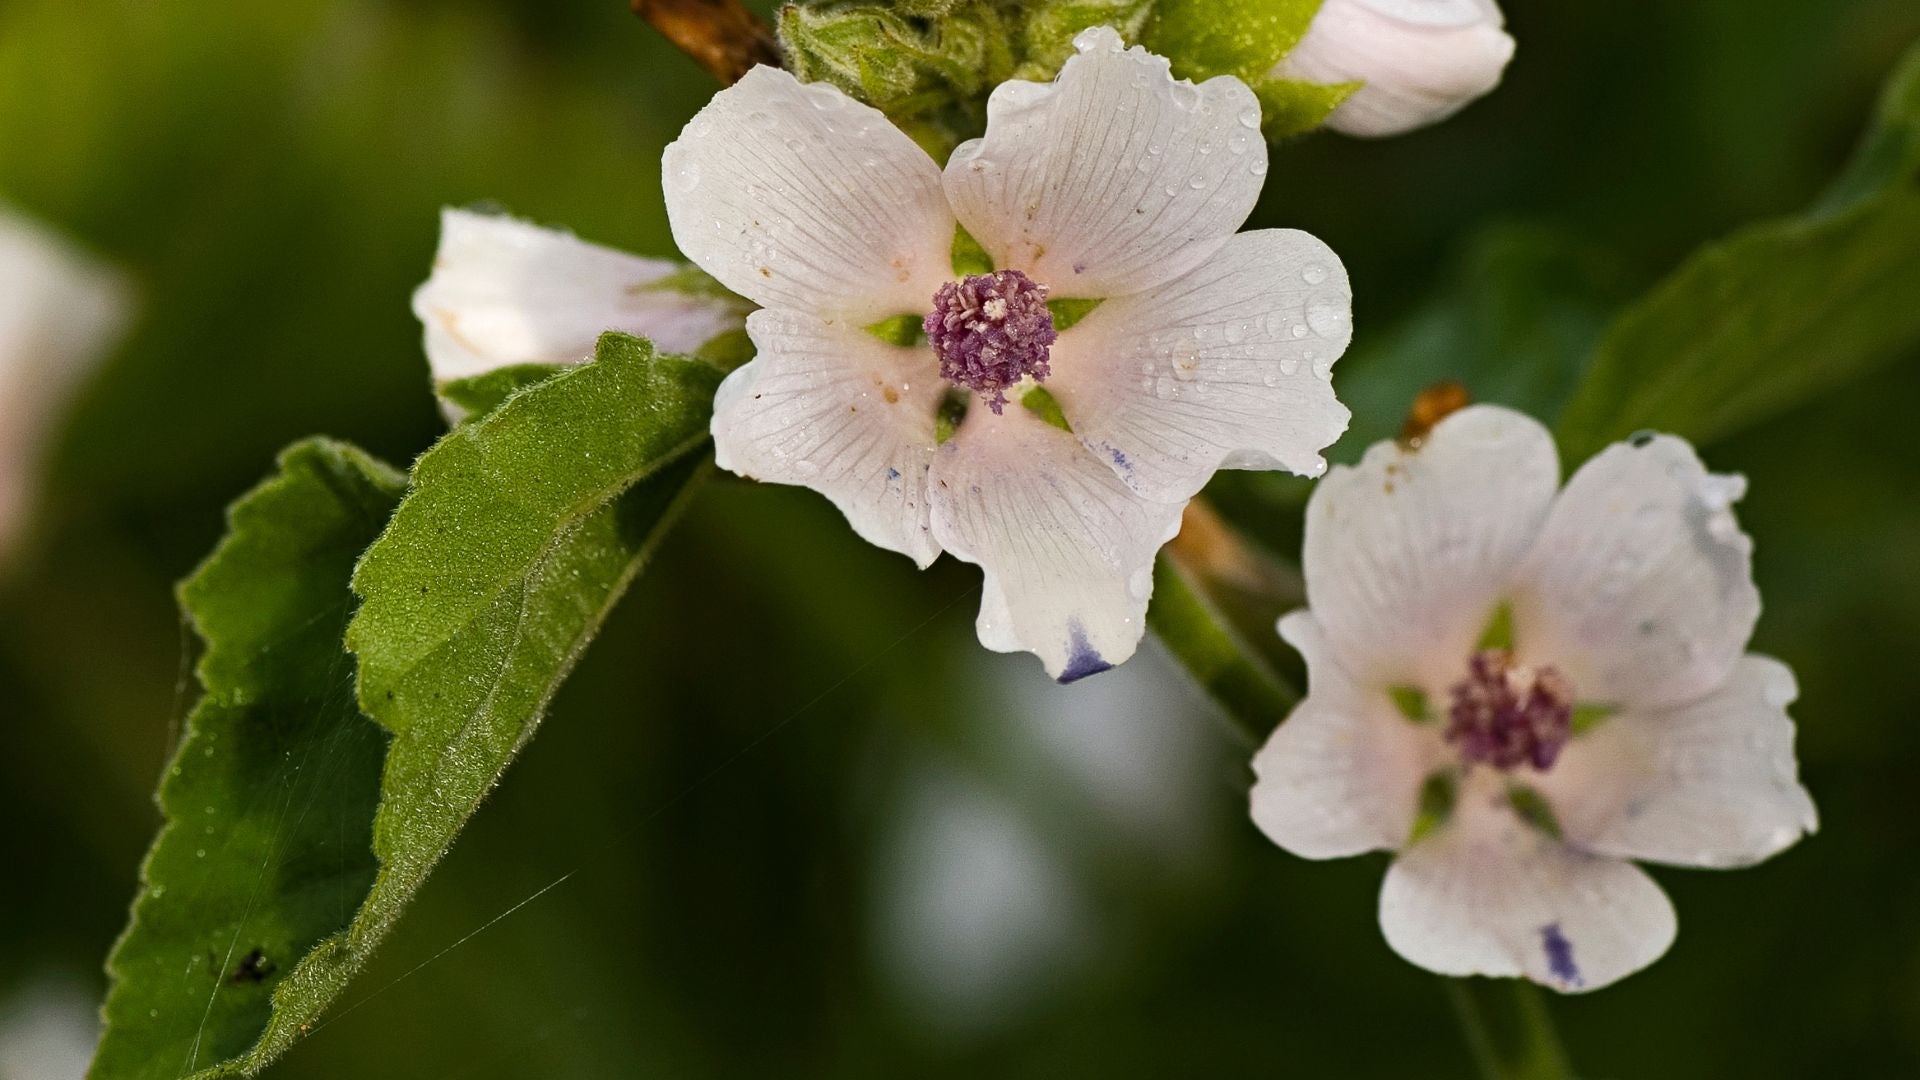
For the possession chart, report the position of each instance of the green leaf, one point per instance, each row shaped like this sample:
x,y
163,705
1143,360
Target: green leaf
x,y
269,800
481,394
1289,107
1776,313
1048,27
513,543
899,330
968,257
1533,808
1499,630
1201,638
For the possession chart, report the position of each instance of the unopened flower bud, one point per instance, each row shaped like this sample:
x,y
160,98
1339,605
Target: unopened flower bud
x,y
1419,61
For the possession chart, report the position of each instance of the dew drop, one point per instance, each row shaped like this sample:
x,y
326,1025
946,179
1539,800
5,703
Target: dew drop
x,y
1250,118
1314,275
761,119
1258,168
1289,366
1328,318
1197,182
1299,330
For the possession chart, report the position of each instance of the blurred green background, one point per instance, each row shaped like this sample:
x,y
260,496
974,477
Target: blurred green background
x,y
808,826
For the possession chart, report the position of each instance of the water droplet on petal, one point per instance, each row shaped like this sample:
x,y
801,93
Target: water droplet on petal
x,y
1250,118
1314,275
1328,318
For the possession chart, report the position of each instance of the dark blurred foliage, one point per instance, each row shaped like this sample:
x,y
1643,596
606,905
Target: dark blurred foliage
x,y
808,827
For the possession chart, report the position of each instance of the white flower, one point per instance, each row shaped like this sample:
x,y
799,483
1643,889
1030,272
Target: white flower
x,y
506,292
60,311
1114,183
1624,720
1420,61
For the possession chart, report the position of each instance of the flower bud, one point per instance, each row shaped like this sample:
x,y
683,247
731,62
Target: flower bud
x,y
1419,61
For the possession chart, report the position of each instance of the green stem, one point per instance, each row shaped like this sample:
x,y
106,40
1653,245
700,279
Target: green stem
x,y
1508,1030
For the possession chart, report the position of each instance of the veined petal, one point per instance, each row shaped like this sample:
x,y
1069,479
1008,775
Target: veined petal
x,y
1640,588
505,291
1342,774
838,410
1488,894
1712,783
1113,178
796,196
60,312
1419,61
1228,366
1066,548
1408,554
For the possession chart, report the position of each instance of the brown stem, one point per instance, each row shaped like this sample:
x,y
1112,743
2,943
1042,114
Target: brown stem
x,y
720,35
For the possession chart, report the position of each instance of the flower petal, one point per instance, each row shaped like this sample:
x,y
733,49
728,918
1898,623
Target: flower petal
x,y
1641,586
1710,784
1342,774
1420,61
842,412
505,291
1408,553
1488,894
1228,366
1066,548
800,197
1114,177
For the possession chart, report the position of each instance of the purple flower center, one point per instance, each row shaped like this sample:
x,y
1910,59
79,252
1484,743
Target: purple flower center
x,y
990,331
1507,715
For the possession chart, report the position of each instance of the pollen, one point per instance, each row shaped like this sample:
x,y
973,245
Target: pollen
x,y
990,331
1508,715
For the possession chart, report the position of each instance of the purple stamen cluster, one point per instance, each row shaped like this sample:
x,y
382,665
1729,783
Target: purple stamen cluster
x,y
1506,715
990,331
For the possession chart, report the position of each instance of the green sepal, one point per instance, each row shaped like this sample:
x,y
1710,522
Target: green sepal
x,y
1499,631
1412,703
1289,107
480,394
969,258
1043,405
1437,796
1069,310
1047,29
899,330
1587,716
902,62
1532,807
953,409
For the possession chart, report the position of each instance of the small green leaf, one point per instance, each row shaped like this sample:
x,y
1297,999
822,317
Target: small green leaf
x,y
1069,310
1588,716
1201,638
969,258
1412,703
1533,809
1499,631
899,330
902,63
266,849
1042,404
481,394
1437,796
1776,313
1047,29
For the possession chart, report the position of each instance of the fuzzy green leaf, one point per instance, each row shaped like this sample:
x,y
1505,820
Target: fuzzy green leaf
x,y
1048,27
513,543
269,801
481,394
1204,38
1776,313
1290,107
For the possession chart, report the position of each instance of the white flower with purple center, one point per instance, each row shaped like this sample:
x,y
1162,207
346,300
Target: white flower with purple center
x,y
1100,213
1520,690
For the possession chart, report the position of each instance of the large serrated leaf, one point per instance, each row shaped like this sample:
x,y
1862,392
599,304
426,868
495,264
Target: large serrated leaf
x,y
269,800
1775,313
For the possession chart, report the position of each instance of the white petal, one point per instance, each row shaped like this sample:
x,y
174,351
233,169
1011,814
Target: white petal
x,y
1712,783
60,311
1408,554
842,412
1343,774
1231,362
800,197
1487,894
1113,178
1641,586
505,291
1066,549
1420,61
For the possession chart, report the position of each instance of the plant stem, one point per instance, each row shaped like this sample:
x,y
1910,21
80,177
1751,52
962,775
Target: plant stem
x,y
1508,1030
